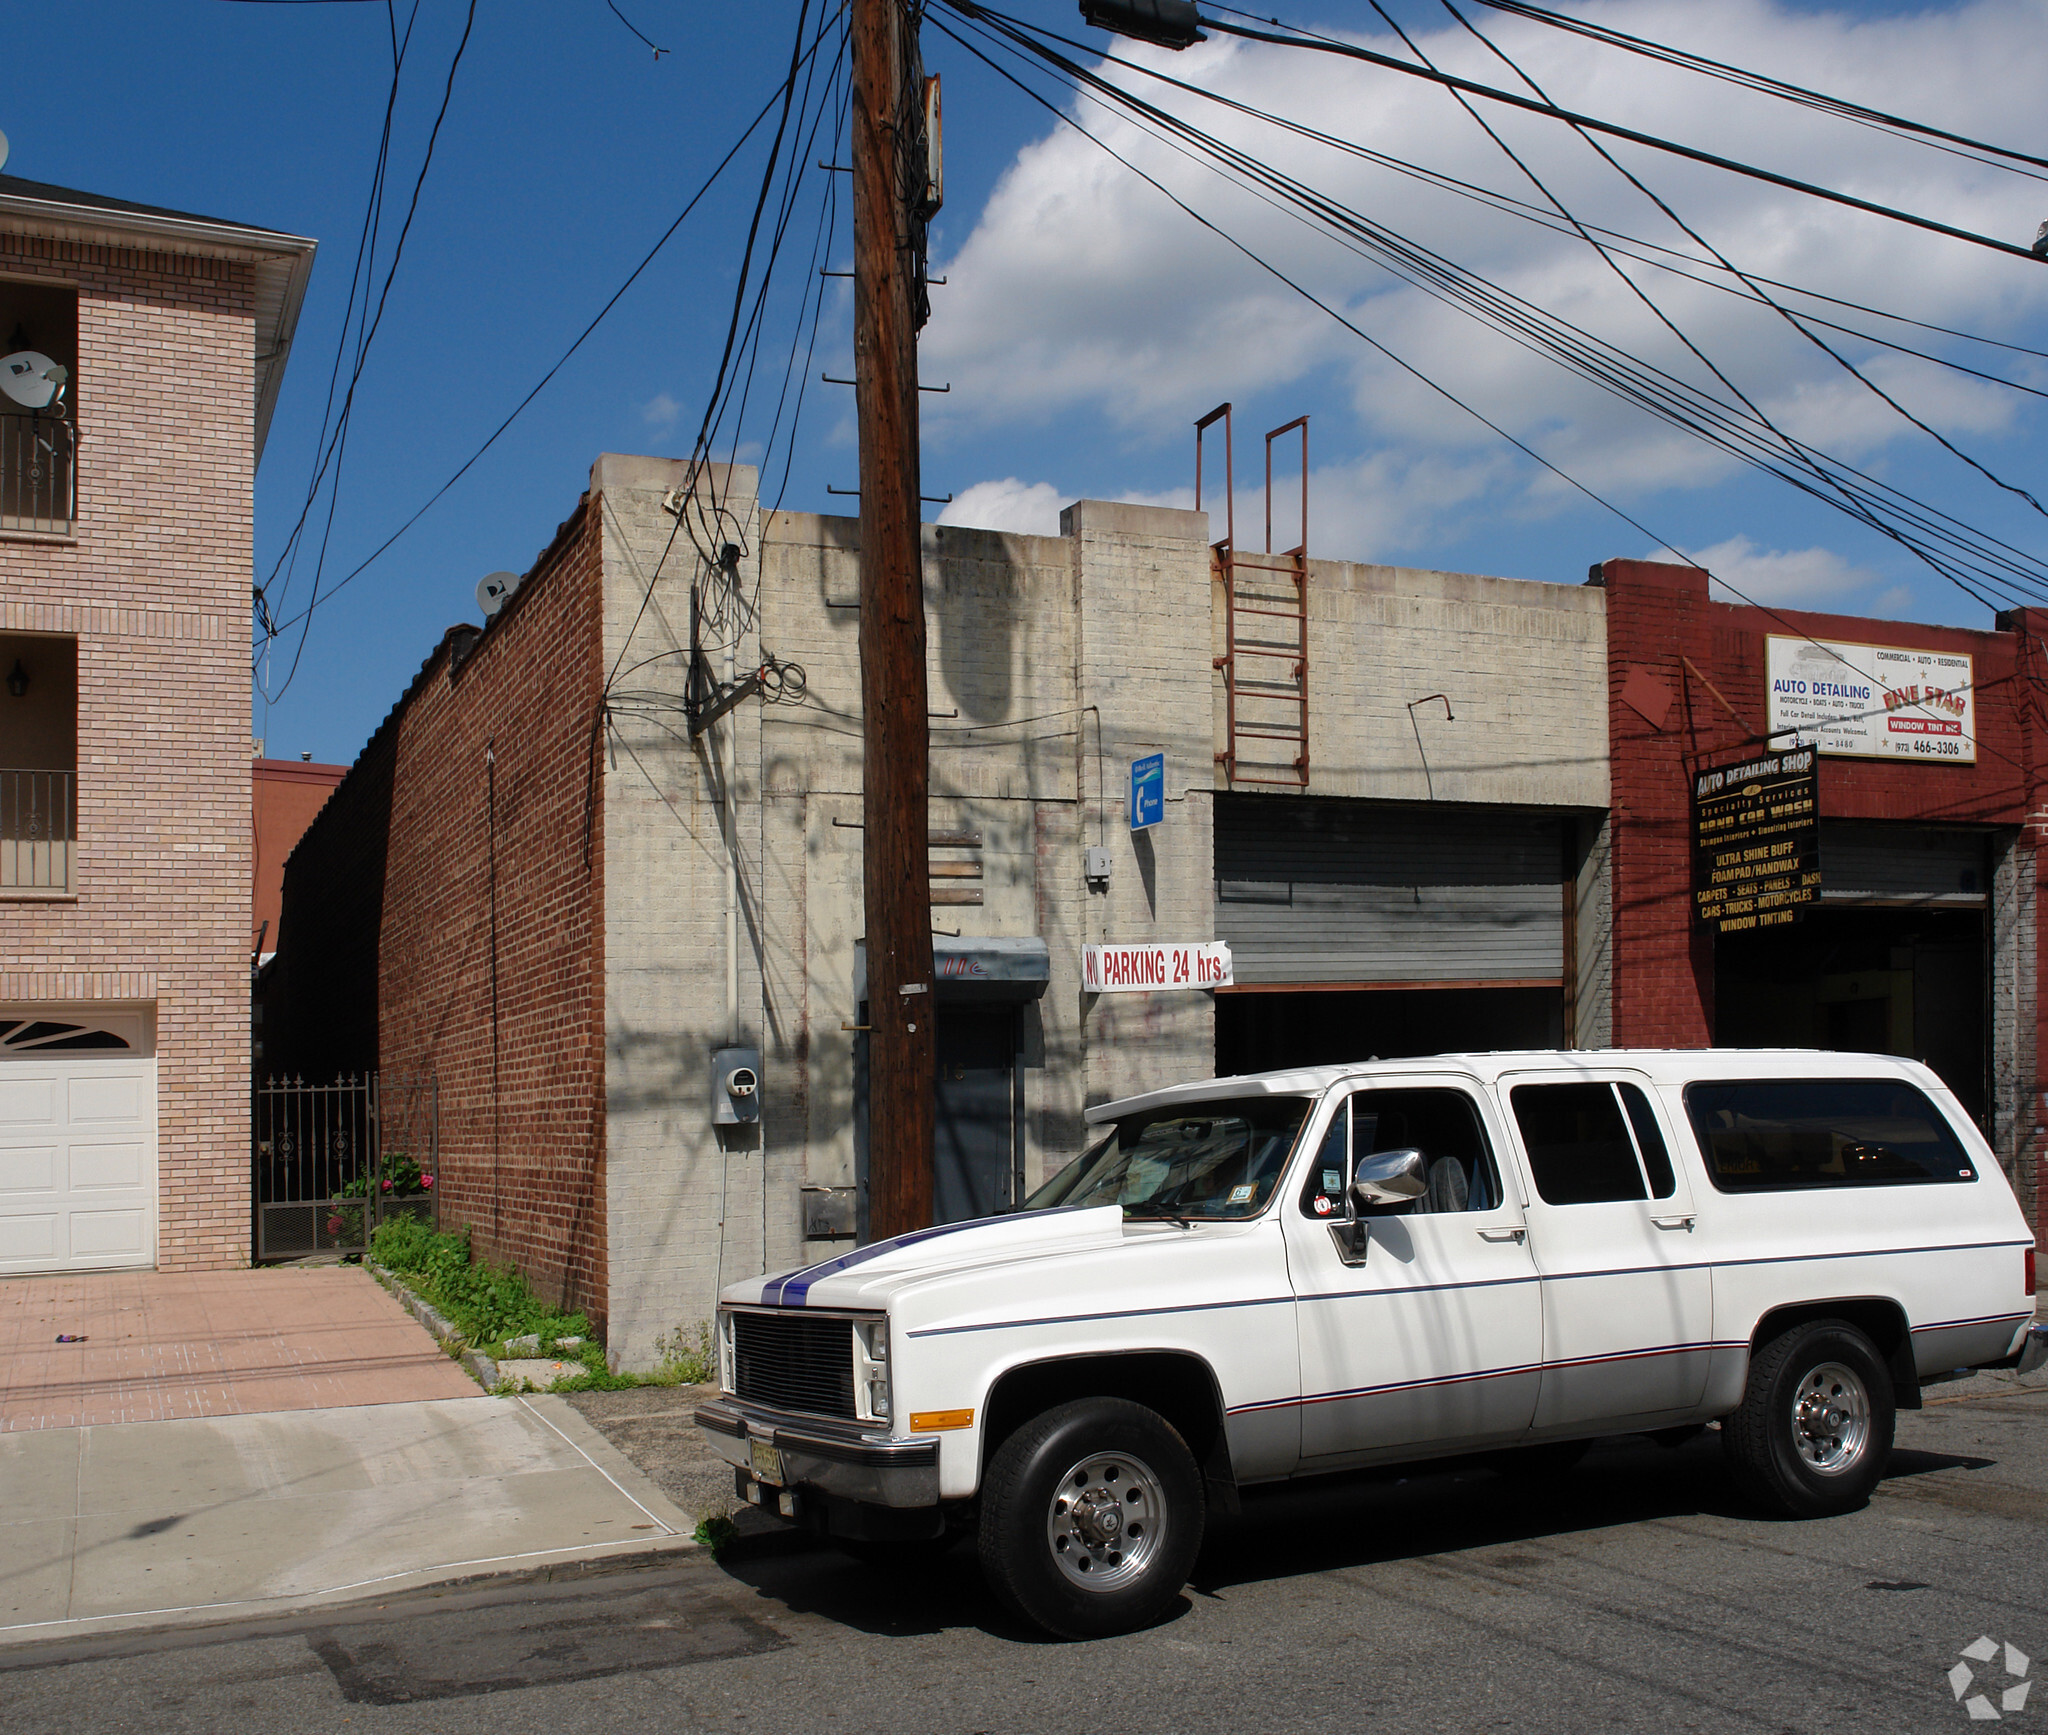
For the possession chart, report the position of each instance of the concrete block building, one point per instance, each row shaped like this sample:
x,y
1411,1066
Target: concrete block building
x,y
1422,810
125,553
538,883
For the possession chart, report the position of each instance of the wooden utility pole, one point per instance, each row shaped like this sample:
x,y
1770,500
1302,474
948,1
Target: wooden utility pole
x,y
896,872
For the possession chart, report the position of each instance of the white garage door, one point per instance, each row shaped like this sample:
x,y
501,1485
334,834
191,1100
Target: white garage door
x,y
77,1140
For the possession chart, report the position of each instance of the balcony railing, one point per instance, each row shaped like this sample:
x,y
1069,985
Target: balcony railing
x,y
38,473
38,830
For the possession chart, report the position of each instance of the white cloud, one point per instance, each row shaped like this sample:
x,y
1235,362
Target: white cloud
x,y
1815,578
1081,290
660,411
1023,508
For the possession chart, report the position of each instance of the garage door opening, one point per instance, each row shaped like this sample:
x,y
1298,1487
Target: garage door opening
x,y
1260,1032
1878,981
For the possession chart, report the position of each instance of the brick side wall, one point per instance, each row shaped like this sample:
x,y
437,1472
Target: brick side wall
x,y
491,954
155,588
1664,717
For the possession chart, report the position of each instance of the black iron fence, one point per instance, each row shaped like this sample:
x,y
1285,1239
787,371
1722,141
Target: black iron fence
x,y
332,1161
38,464
38,830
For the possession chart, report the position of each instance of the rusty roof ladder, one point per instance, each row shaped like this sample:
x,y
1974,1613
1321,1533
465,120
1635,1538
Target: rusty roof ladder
x,y
1265,666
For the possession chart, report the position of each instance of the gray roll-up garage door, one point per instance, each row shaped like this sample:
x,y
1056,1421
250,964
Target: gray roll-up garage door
x,y
1354,891
1862,862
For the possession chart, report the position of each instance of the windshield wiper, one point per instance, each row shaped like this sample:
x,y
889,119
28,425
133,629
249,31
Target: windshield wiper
x,y
1153,1208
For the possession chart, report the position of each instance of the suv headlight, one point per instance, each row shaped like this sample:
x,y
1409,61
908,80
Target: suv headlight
x,y
871,1398
725,1371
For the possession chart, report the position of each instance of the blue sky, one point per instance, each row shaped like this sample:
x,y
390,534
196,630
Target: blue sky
x,y
1085,321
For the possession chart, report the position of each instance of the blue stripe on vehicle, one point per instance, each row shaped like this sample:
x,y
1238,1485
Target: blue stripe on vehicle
x,y
792,1290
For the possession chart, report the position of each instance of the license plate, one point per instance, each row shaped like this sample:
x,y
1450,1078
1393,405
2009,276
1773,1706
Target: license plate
x,y
767,1462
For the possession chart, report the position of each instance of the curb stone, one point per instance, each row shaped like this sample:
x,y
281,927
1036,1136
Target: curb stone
x,y
479,1366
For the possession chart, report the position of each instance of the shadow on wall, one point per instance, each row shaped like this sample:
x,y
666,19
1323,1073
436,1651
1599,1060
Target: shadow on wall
x,y
319,997
971,588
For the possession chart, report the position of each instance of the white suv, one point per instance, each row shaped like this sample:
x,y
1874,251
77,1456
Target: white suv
x,y
1253,1278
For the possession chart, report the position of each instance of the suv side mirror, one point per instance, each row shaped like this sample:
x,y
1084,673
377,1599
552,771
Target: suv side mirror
x,y
1389,1178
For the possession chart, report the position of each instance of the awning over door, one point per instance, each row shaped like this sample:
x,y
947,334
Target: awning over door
x,y
1329,891
1007,967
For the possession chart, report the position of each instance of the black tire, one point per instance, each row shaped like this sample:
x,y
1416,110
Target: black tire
x,y
1814,1431
1091,1517
1539,1463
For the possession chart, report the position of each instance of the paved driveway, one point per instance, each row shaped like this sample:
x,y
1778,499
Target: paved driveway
x,y
165,1346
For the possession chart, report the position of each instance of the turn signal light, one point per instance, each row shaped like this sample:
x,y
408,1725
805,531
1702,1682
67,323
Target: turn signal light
x,y
937,1421
2030,1271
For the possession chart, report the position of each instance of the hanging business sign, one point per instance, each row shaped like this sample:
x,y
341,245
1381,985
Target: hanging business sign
x,y
1155,969
1873,701
1148,791
1756,841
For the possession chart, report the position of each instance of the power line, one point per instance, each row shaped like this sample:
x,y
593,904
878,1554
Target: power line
x,y
1935,136
1552,112
383,300
1989,561
561,361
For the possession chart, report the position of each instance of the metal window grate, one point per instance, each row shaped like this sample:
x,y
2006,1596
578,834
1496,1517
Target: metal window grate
x,y
794,1361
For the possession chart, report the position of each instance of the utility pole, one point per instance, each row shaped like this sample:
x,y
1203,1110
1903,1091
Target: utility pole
x,y
896,875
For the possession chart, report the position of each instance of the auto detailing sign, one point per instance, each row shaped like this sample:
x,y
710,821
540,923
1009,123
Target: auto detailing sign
x,y
1756,841
1154,969
1874,701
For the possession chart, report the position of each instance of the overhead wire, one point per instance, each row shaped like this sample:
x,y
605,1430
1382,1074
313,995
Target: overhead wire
x,y
1786,314
1330,45
561,361
1918,132
383,300
1991,561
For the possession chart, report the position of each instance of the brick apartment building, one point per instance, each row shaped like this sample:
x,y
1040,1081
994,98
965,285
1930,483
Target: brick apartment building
x,y
125,556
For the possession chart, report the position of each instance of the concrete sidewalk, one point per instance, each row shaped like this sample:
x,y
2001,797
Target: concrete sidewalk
x,y
158,1523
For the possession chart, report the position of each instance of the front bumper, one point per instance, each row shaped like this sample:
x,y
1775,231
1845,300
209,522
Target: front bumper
x,y
844,1459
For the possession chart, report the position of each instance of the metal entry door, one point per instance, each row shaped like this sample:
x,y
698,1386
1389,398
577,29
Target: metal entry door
x,y
974,1118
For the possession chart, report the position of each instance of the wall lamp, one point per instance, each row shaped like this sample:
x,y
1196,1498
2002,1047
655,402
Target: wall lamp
x,y
17,680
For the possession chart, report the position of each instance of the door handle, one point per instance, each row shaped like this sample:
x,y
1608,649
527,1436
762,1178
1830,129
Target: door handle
x,y
1514,1234
1682,1221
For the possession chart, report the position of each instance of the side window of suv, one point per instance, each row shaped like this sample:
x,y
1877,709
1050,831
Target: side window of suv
x,y
1443,1125
1592,1144
1775,1135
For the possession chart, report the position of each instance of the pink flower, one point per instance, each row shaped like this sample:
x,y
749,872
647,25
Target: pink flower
x,y
387,1185
334,1225
426,1181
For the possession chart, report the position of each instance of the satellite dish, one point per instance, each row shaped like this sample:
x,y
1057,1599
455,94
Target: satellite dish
x,y
492,589
3,150
31,379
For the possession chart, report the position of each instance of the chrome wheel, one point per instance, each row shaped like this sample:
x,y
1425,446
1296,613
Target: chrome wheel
x,y
1107,1521
1830,1419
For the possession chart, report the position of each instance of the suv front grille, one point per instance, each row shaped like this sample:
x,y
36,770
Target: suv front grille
x,y
794,1361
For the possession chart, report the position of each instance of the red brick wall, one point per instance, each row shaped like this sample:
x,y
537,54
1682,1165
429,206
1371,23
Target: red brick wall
x,y
285,796
460,840
1657,617
155,587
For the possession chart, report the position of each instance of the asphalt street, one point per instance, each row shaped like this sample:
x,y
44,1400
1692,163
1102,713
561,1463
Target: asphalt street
x,y
1635,1593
